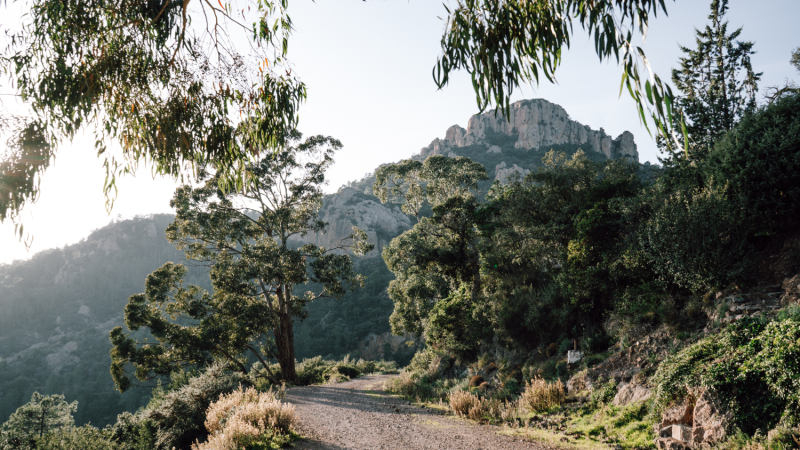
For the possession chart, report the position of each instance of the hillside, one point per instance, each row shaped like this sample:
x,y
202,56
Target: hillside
x,y
57,308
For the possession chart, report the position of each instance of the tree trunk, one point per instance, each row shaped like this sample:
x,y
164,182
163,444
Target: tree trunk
x,y
476,281
284,340
284,335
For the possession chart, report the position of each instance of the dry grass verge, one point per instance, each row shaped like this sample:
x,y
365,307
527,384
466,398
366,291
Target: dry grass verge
x,y
246,418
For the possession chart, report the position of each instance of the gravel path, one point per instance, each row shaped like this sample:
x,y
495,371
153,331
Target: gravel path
x,y
358,414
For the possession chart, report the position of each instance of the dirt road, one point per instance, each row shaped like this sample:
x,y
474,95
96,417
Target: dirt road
x,y
359,415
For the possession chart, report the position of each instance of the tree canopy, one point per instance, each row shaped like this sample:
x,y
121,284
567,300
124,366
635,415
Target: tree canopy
x,y
44,413
716,81
169,81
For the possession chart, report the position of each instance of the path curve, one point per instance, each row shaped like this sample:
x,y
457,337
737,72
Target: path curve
x,y
358,414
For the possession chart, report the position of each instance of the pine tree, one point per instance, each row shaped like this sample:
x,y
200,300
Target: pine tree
x,y
36,418
716,81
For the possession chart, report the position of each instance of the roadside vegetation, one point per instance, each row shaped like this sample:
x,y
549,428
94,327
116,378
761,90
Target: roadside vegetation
x,y
678,292
214,408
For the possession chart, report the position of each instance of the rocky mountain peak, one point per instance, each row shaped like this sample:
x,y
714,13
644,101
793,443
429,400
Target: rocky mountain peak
x,y
533,124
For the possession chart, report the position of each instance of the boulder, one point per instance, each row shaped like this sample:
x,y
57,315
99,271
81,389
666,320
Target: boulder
x,y
579,382
712,422
791,286
681,433
679,414
628,393
671,444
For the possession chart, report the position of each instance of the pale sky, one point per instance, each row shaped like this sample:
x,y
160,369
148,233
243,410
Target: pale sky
x,y
368,70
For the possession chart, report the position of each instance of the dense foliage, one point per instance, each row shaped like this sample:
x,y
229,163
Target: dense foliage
x,y
144,76
716,81
43,414
57,308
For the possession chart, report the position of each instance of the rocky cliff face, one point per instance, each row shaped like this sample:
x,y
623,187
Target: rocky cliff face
x,y
535,124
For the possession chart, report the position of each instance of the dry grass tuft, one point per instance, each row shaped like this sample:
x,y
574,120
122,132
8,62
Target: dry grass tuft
x,y
539,395
465,404
242,417
469,405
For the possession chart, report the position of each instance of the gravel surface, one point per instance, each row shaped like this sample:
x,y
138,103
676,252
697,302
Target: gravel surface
x,y
358,414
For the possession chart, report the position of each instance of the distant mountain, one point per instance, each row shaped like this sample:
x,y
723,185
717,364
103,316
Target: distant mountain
x,y
57,308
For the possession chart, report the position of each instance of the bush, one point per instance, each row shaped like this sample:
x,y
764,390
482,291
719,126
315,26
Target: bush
x,y
540,395
465,403
604,393
179,416
454,324
317,370
133,432
246,418
696,239
760,160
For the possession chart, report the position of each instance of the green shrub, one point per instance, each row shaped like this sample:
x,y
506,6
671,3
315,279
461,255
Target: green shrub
x,y
86,437
696,239
133,432
312,371
604,394
178,416
784,438
760,161
454,324
752,355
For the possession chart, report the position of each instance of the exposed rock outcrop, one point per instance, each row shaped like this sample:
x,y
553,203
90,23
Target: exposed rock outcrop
x,y
348,208
628,393
536,124
502,173
704,421
533,125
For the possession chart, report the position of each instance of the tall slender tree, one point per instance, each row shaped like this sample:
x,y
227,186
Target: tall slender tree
x,y
249,241
716,81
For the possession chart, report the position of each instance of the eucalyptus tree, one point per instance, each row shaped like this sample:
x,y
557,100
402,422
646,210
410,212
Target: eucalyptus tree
x,y
176,84
442,251
249,240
